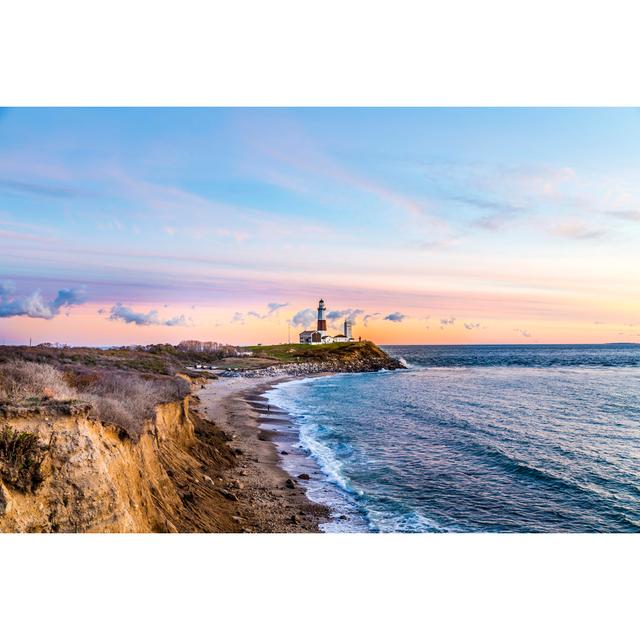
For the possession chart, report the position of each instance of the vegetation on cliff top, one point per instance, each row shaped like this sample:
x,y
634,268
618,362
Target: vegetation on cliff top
x,y
318,352
162,359
125,399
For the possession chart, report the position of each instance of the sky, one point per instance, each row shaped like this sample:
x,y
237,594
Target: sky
x,y
422,226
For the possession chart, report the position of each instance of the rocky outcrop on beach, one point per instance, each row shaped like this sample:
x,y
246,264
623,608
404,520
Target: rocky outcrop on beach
x,y
362,357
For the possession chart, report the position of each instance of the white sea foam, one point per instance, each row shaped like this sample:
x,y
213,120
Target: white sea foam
x,y
335,489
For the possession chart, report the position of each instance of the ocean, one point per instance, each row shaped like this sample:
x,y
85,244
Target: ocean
x,y
541,438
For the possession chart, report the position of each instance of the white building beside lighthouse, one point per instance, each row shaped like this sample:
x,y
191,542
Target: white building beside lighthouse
x,y
320,334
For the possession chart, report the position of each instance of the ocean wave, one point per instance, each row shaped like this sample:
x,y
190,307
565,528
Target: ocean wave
x,y
347,514
588,494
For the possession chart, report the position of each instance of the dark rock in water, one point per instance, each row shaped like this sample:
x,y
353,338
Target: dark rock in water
x,y
343,517
284,453
290,484
228,495
304,476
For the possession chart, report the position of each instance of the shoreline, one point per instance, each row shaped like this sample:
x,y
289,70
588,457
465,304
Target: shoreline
x,y
266,498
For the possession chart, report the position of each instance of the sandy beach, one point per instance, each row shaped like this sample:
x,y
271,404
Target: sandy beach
x,y
269,500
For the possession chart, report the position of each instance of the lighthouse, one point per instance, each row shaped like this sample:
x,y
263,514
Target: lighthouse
x,y
322,322
320,335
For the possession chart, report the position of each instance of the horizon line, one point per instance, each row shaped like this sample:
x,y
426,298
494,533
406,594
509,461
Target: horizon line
x,y
425,344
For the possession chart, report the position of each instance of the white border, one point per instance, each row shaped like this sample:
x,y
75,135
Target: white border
x,y
319,586
338,52
330,53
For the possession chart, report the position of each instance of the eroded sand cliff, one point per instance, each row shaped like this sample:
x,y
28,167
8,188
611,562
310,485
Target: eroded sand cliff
x,y
95,479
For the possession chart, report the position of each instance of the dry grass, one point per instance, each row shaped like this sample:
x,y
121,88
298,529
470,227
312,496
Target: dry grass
x,y
128,400
125,399
21,380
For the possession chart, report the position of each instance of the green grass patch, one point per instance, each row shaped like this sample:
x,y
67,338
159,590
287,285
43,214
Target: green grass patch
x,y
298,352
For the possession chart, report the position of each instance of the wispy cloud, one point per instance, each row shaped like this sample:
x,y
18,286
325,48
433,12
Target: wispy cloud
x,y
37,189
626,214
294,149
27,237
486,203
274,306
369,317
14,230
495,221
272,309
129,316
197,216
523,332
575,230
447,322
469,326
509,193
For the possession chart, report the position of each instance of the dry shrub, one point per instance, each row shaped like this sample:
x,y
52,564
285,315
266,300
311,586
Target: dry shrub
x,y
128,400
81,378
20,459
21,380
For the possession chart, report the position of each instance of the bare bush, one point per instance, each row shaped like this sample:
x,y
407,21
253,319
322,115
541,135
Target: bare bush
x,y
20,459
21,380
128,400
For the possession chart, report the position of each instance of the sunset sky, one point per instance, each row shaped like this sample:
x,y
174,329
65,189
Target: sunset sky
x,y
435,226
